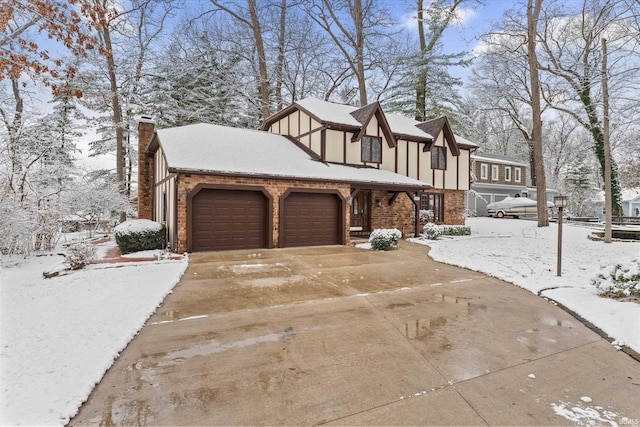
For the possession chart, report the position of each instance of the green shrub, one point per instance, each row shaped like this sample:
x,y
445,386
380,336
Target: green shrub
x,y
456,230
384,239
432,231
139,235
620,280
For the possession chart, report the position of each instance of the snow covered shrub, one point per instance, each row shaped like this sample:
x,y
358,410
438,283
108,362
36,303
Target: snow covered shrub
x,y
426,215
432,231
469,213
139,235
456,230
80,255
384,239
619,280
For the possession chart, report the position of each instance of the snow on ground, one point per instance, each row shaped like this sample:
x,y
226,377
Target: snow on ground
x,y
59,335
519,252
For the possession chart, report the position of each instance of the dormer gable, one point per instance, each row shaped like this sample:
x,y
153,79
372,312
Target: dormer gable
x,y
437,126
364,116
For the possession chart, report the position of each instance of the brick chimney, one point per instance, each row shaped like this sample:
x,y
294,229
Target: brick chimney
x,y
146,132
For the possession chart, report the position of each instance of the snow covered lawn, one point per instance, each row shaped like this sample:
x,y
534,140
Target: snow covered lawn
x,y
59,335
519,252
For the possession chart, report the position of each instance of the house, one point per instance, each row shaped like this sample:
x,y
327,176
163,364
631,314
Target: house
x,y
496,177
317,173
630,204
367,136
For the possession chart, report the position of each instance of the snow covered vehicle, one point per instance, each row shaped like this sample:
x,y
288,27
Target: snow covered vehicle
x,y
514,207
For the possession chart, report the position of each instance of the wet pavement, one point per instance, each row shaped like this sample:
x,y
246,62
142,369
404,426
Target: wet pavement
x,y
340,335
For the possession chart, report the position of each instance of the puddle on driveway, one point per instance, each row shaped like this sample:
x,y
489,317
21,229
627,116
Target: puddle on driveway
x,y
214,346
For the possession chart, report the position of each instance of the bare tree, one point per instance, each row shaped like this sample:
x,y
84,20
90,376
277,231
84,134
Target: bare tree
x,y
533,14
356,29
248,17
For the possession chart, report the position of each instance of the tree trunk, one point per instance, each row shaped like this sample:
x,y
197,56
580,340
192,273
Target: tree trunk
x,y
117,108
262,61
421,83
281,45
533,13
606,145
358,22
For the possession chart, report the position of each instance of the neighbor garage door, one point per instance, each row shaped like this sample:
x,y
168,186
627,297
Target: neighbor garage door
x,y
311,219
227,219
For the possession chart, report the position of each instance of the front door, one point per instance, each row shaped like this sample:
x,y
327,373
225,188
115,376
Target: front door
x,y
361,211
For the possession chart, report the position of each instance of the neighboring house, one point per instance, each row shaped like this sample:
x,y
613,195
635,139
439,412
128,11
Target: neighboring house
x,y
496,177
631,203
323,172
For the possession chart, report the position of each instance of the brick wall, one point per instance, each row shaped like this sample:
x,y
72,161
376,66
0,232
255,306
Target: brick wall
x,y
453,207
399,215
146,129
275,187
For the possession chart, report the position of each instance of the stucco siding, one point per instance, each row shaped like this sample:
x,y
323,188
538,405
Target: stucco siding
x,y
402,157
464,165
354,154
316,142
334,146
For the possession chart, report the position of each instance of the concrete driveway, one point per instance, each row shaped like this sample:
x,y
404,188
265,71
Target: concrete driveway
x,y
340,335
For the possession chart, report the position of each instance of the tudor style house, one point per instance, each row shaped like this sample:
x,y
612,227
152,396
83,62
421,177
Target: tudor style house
x,y
315,174
428,151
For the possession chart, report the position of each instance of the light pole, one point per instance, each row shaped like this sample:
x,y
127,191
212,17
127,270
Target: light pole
x,y
560,202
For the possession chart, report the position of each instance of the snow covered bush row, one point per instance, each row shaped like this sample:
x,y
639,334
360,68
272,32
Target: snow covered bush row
x,y
456,230
384,239
139,235
619,280
432,231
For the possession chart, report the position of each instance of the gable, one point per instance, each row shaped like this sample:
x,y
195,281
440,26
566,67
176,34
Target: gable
x,y
364,116
437,126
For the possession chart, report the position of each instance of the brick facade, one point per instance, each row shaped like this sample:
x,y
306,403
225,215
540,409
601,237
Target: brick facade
x,y
399,215
146,129
275,187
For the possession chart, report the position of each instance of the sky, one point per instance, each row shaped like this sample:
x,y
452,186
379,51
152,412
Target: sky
x,y
475,21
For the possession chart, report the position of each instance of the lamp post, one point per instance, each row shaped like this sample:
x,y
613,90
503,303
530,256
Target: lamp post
x,y
560,202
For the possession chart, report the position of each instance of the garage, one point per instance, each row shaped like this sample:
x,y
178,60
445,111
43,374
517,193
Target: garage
x,y
229,219
311,219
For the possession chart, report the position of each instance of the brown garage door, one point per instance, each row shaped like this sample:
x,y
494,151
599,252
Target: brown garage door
x,y
227,219
311,219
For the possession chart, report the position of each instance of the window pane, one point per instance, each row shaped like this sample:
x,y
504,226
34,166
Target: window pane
x,y
366,149
376,148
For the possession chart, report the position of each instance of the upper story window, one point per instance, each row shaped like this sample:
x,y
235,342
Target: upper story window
x,y
517,174
507,173
438,157
494,172
484,171
372,149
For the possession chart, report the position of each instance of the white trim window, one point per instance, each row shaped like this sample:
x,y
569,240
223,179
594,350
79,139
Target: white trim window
x,y
517,174
484,171
494,172
507,173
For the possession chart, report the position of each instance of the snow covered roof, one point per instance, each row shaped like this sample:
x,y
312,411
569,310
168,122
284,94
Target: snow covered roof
x,y
463,141
212,148
630,195
402,125
497,158
331,112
